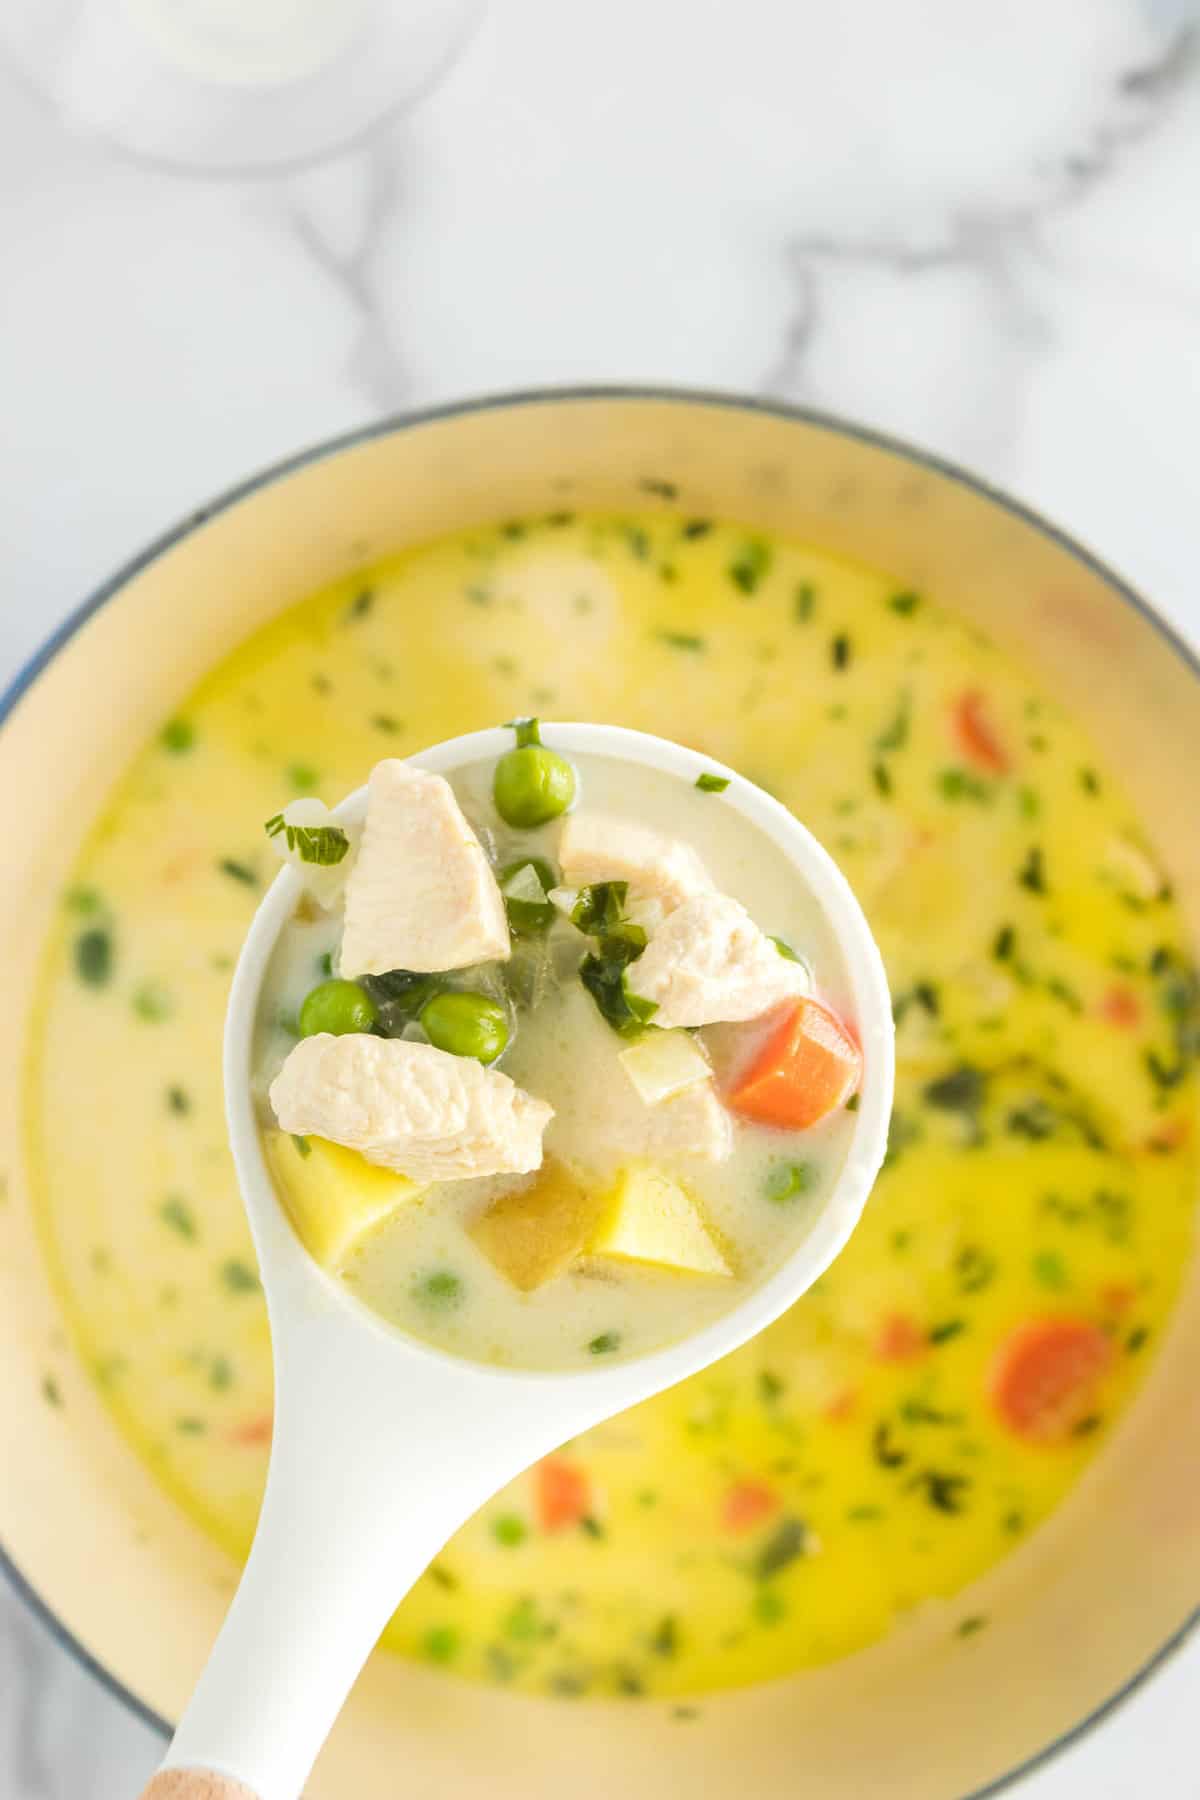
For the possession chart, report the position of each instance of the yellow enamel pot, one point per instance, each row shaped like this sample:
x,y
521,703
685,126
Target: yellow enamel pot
x,y
1086,1607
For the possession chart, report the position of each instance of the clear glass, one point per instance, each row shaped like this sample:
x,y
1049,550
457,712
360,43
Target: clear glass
x,y
228,87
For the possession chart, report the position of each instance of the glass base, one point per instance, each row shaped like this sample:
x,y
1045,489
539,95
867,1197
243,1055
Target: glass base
x,y
231,87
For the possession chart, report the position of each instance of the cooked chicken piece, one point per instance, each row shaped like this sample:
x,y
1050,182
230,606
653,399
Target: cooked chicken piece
x,y
421,894
708,962
599,847
409,1107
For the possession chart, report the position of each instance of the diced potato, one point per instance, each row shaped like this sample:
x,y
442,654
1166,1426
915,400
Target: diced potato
x,y
332,1195
532,1235
663,1063
651,1219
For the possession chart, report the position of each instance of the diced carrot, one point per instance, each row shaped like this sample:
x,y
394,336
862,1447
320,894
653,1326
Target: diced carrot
x,y
1120,1006
256,1430
808,1066
1045,1375
1172,1134
562,1493
842,1406
747,1504
899,1340
977,737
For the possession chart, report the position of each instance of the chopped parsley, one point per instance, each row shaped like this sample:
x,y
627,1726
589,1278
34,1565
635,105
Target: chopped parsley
x,y
712,784
322,844
238,1276
786,1543
1032,873
840,651
176,1213
683,640
605,1344
905,604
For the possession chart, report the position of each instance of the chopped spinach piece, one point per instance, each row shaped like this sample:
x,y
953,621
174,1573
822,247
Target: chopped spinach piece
x,y
975,1268
962,1090
178,735
682,640
1032,873
840,651
960,784
750,565
945,1493
947,1329
238,871
238,1276
881,776
1004,943
786,1543
696,528
600,907
94,956
176,1213
604,980
887,1454
361,604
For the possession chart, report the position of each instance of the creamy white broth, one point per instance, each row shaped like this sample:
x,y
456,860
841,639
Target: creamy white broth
x,y
563,1051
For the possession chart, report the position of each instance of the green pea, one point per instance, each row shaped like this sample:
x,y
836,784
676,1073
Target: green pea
x,y
338,1007
532,784
466,1025
528,918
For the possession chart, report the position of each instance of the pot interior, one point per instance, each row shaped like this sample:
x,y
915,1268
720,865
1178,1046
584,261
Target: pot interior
x,y
1085,1604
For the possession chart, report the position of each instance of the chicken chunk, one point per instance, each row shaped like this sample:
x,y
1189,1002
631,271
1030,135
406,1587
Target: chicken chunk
x,y
421,894
599,847
619,1125
709,962
410,1107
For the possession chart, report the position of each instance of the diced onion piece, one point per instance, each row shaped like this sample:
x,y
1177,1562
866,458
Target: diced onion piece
x,y
324,881
664,1063
524,885
564,898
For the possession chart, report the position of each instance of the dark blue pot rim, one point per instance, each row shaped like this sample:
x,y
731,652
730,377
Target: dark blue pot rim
x,y
364,434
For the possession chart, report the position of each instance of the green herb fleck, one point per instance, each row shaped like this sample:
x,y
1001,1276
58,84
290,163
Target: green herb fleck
x,y
1050,1269
1004,943
881,775
1089,781
303,777
947,1329
238,871
176,1213
1028,802
682,640
178,1101
441,1643
768,1606
770,1386
325,845
975,1269
969,1626
712,784
51,1392
220,1373
945,1493
804,600
886,1453
361,604
1032,873
509,1529
238,1276
191,1426
749,566
303,1147
386,723
664,1640
696,528
785,1544
152,1003
959,784
785,950
840,651
962,1090
604,1344
905,604
664,490
94,956
178,735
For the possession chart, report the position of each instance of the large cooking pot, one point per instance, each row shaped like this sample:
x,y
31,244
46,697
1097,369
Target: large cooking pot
x,y
1086,1606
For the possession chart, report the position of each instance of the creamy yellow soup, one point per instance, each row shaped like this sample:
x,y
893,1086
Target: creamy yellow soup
x,y
872,1450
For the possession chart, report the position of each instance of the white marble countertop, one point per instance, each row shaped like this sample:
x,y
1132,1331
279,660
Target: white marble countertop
x,y
973,224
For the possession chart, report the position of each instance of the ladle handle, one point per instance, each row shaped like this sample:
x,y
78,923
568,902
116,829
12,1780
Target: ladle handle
x,y
378,1457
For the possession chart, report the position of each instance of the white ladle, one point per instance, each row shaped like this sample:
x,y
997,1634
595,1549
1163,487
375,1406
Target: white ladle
x,y
384,1446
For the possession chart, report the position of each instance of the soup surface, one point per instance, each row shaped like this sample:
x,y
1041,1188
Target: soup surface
x,y
939,1392
647,1203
